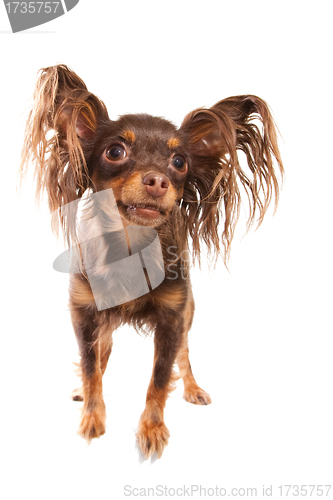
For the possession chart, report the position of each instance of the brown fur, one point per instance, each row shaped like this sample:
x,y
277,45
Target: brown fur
x,y
187,184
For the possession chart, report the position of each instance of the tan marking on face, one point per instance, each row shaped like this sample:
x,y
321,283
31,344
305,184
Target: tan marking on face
x,y
117,186
129,135
173,143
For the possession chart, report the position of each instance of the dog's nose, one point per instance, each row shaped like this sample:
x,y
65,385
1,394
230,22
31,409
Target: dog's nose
x,y
156,184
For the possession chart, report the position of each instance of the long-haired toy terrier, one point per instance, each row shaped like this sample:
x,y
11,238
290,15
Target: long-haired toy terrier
x,y
142,177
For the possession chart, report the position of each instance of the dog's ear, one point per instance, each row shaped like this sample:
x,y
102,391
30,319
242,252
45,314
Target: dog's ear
x,y
60,134
74,108
219,174
84,124
60,128
209,135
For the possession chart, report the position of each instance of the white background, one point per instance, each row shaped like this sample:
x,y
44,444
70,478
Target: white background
x,y
261,343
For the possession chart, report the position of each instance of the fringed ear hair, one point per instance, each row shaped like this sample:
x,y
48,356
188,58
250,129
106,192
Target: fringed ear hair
x,y
59,134
215,135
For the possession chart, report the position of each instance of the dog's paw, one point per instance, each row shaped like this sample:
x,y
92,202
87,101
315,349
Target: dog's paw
x,y
197,396
92,423
77,394
152,437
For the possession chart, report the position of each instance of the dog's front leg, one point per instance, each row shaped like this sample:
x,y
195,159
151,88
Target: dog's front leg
x,y
152,433
93,412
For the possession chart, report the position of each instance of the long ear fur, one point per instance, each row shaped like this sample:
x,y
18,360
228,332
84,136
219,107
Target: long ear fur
x,y
215,135
59,134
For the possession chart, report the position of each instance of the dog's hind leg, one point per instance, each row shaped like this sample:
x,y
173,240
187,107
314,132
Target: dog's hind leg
x,y
192,392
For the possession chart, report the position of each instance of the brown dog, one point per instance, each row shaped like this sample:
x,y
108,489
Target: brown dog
x,y
183,183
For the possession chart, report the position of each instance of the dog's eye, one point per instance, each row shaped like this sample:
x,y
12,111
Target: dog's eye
x,y
116,152
179,163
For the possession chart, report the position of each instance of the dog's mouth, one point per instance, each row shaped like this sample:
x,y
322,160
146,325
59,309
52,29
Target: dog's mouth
x,y
143,210
145,214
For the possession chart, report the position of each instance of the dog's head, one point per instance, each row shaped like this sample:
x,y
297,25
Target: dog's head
x,y
145,161
152,166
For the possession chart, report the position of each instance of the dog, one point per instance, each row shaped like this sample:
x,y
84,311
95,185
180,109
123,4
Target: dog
x,y
184,184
